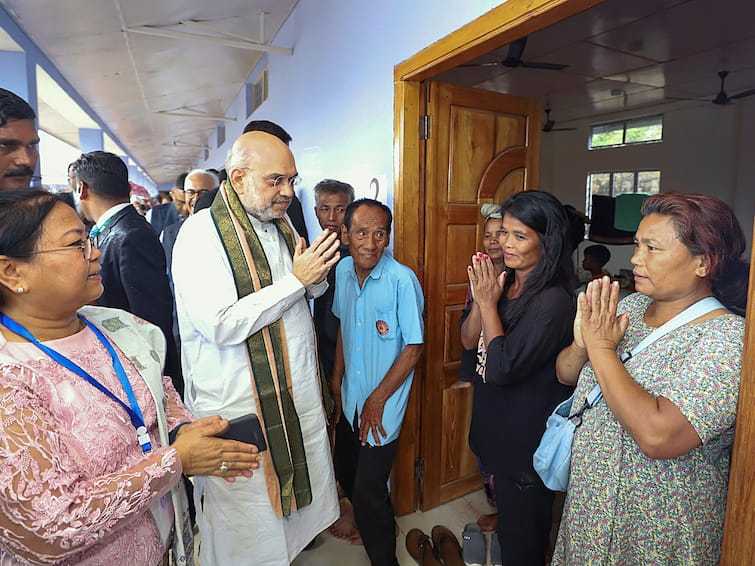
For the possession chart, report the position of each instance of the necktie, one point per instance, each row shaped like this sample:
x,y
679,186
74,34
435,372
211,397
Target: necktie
x,y
94,234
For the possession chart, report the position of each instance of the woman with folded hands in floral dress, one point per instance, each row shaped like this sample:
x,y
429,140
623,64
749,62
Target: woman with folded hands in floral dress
x,y
650,461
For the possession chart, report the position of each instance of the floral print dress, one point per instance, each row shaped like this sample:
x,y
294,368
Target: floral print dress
x,y
624,508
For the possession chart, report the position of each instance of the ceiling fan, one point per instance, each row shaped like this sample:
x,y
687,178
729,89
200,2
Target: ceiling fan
x,y
549,124
514,59
723,98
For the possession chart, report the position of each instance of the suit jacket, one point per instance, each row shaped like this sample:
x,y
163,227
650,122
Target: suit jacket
x,y
296,214
168,240
162,216
135,279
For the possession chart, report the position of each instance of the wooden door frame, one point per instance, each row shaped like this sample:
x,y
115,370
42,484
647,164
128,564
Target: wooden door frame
x,y
498,27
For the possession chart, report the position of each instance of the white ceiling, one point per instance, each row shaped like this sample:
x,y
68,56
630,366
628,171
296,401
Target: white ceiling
x,y
627,54
622,55
129,79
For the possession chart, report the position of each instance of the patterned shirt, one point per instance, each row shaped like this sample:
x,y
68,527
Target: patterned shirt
x,y
625,508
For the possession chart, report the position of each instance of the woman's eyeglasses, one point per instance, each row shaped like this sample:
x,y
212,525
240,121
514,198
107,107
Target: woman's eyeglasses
x,y
84,245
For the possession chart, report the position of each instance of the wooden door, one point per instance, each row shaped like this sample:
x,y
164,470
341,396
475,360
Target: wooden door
x,y
482,147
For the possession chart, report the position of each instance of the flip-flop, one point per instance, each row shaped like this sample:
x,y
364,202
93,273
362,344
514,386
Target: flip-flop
x,y
473,545
420,547
495,551
447,546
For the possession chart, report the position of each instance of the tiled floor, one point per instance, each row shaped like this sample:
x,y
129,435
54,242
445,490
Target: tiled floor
x,y
330,551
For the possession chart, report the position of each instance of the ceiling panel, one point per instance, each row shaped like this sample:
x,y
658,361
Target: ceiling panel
x,y
126,77
623,55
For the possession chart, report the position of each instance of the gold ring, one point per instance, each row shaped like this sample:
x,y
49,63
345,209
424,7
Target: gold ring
x,y
224,467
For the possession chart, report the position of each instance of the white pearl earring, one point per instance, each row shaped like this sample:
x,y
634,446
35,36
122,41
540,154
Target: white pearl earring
x,y
20,290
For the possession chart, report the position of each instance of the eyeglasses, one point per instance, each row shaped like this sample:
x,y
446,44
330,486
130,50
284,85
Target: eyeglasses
x,y
191,192
274,181
84,245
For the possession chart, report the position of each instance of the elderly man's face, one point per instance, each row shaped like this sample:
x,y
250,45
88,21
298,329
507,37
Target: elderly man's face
x,y
18,154
266,185
194,187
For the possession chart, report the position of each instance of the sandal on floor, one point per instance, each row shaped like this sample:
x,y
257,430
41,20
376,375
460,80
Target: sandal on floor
x,y
420,547
473,545
447,546
495,551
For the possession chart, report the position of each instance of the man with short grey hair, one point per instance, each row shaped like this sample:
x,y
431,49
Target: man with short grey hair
x,y
197,183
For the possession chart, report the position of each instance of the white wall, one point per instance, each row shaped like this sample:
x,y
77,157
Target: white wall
x,y
705,149
335,94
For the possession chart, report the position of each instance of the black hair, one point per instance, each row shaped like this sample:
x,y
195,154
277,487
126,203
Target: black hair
x,y
599,253
22,213
543,213
104,173
577,222
269,128
13,107
180,180
333,187
367,202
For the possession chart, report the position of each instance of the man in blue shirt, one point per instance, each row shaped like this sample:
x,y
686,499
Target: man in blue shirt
x,y
379,304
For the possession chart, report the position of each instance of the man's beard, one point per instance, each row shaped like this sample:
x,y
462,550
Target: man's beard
x,y
268,213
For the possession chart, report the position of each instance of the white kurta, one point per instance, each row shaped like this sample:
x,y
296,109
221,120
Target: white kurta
x,y
237,523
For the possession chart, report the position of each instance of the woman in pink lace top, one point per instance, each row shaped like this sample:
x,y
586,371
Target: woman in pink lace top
x,y
80,481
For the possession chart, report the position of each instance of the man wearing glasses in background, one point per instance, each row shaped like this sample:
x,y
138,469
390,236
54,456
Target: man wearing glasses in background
x,y
242,278
133,262
198,183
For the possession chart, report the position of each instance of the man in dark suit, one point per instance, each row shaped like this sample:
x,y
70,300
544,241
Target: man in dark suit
x,y
163,215
133,261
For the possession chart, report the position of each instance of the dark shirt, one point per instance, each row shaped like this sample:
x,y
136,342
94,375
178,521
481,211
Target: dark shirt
x,y
163,215
520,389
326,323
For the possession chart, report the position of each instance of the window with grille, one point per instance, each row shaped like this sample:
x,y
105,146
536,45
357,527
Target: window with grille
x,y
648,129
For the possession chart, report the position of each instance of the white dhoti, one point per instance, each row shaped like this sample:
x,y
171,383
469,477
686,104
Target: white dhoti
x,y
237,523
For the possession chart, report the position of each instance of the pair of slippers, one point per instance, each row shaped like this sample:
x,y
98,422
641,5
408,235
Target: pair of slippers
x,y
442,549
474,550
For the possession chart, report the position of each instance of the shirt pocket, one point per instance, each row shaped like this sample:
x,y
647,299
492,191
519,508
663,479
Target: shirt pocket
x,y
386,325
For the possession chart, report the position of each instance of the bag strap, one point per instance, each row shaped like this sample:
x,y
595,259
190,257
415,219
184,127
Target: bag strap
x,y
700,308
696,310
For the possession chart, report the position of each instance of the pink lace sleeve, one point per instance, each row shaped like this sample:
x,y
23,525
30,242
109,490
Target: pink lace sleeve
x,y
50,507
176,411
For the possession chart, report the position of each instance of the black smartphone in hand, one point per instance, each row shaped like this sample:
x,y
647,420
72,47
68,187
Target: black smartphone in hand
x,y
246,429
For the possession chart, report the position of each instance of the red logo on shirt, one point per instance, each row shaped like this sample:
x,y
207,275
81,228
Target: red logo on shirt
x,y
382,327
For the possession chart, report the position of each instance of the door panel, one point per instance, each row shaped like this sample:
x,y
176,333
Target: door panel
x,y
483,147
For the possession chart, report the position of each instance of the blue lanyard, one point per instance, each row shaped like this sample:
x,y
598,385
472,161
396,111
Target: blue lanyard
x,y
134,412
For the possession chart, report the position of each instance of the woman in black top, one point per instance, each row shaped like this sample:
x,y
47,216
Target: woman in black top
x,y
526,315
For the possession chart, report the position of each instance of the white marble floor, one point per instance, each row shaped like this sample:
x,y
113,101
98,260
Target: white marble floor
x,y
329,551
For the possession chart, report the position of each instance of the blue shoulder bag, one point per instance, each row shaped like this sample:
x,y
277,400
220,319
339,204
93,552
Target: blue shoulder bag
x,y
552,459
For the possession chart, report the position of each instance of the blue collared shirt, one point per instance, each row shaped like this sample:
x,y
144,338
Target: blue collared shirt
x,y
377,323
